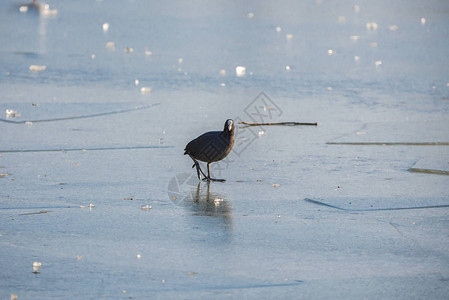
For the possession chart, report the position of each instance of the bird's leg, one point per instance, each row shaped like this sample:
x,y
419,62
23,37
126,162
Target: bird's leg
x,y
195,164
207,178
198,168
212,179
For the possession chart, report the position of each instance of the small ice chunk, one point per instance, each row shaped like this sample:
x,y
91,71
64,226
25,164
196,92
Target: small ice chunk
x,y
423,21
250,15
356,8
218,201
136,82
289,37
110,45
373,44
180,60
276,185
378,63
91,205
222,72
148,52
37,266
93,56
240,71
105,26
79,257
12,113
357,58
37,68
278,29
288,68
28,123
146,207
354,37
261,132
341,19
223,84
393,27
128,50
23,9
331,52
145,90
139,255
329,88
371,26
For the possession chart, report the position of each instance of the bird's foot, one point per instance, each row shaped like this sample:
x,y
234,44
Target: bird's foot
x,y
208,179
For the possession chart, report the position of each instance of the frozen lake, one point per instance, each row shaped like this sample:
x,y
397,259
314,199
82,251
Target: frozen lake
x,y
99,99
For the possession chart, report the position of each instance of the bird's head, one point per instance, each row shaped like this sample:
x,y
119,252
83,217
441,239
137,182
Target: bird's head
x,y
229,126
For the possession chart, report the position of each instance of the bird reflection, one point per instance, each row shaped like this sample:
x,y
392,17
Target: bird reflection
x,y
204,203
43,10
40,8
211,204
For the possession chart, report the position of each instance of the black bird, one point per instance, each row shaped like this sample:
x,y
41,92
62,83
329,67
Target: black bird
x,y
211,147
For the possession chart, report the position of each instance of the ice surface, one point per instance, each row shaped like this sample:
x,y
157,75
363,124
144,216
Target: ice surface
x,y
418,132
371,229
384,204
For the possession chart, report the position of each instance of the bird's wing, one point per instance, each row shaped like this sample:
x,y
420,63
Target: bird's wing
x,y
194,147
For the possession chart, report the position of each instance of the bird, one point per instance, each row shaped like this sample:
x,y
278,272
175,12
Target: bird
x,y
211,147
